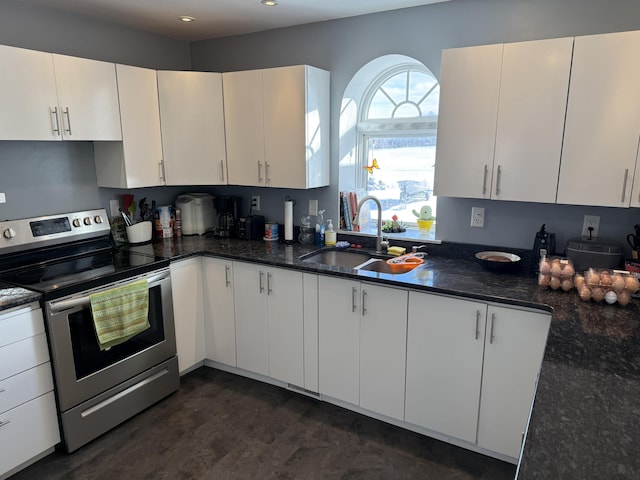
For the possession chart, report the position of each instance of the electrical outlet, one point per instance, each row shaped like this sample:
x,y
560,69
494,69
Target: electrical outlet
x,y
255,203
313,207
477,217
3,198
592,221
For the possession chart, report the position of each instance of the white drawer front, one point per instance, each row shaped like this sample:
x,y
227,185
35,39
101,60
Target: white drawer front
x,y
27,431
20,324
25,386
23,355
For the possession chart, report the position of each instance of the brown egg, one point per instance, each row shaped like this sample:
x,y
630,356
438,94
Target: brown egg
x,y
631,284
618,283
554,283
606,280
598,294
556,269
624,298
568,270
578,281
544,280
593,279
567,284
545,266
585,293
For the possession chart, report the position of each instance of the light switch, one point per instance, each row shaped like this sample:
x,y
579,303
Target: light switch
x,y
3,198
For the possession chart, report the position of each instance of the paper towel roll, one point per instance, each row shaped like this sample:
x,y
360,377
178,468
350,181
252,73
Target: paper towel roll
x,y
288,221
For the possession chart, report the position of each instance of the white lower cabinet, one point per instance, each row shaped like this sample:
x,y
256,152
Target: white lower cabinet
x,y
188,312
472,369
269,321
362,344
28,415
220,323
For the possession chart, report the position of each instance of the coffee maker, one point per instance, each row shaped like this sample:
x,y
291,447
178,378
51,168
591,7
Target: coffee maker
x,y
227,208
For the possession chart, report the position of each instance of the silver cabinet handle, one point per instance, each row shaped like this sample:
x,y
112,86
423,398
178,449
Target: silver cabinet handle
x,y
259,172
267,179
56,128
227,269
493,321
269,290
261,275
161,170
477,323
484,180
624,184
222,170
364,303
66,113
498,175
354,292
6,422
2,390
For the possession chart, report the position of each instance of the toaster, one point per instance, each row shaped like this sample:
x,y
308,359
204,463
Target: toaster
x,y
251,227
198,213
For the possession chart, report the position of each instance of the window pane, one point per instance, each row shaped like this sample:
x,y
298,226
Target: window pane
x,y
404,180
429,105
419,84
380,107
396,87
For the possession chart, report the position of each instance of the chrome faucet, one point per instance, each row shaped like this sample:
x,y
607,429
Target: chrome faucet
x,y
380,243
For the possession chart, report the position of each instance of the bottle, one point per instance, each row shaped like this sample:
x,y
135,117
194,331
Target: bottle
x,y
319,237
329,234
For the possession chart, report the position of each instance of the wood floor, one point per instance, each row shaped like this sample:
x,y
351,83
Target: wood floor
x,y
222,426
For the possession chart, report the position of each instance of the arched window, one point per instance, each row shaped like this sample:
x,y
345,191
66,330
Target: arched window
x,y
395,139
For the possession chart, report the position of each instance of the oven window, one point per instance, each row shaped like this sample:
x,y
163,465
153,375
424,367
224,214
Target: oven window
x,y
87,356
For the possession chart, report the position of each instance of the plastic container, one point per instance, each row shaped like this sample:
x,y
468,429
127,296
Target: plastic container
x,y
330,236
556,273
608,286
139,232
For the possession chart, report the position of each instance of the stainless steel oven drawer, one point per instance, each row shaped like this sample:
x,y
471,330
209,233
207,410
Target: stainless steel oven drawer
x,y
94,417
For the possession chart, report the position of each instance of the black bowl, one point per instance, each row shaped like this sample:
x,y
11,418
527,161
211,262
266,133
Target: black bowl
x,y
498,261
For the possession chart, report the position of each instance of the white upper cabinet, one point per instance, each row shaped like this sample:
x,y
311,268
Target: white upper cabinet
x,y
533,97
87,98
55,97
277,127
137,160
469,91
603,122
501,118
192,114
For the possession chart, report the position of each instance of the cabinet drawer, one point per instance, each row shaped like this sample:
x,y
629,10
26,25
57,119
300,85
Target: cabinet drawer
x,y
20,324
25,386
27,431
23,355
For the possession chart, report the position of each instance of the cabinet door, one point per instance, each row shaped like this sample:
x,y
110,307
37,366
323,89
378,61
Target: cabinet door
x,y
284,96
603,121
192,128
88,98
514,347
244,127
250,301
339,338
285,325
28,96
533,98
383,347
220,327
310,302
186,287
445,343
469,89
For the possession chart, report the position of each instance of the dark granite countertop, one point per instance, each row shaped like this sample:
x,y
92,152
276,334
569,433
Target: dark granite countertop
x,y
11,296
586,417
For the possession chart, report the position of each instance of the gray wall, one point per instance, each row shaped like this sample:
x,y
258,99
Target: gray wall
x,y
344,46
49,177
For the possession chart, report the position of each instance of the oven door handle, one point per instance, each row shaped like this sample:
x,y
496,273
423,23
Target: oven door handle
x,y
84,300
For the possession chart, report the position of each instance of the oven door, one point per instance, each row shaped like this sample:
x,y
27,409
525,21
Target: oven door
x,y
81,369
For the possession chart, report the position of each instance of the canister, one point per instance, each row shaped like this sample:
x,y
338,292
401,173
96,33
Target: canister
x,y
271,232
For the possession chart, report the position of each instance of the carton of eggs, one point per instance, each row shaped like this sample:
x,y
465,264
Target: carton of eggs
x,y
615,286
556,273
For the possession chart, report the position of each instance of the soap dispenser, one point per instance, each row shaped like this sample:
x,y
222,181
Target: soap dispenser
x,y
330,234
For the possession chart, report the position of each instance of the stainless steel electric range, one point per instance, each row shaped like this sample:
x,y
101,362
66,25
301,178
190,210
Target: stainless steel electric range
x,y
67,258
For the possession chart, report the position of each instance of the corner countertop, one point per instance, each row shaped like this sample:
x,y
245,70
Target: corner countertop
x,y
11,296
585,421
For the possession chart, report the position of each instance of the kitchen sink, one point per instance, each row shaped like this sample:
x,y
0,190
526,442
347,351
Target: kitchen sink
x,y
337,258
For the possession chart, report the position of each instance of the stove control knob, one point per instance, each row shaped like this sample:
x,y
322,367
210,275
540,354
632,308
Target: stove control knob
x,y
97,219
87,221
9,233
76,222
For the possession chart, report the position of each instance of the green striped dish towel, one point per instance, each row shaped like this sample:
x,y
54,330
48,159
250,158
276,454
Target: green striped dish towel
x,y
120,313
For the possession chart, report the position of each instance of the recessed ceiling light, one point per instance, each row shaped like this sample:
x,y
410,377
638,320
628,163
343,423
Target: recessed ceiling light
x,y
186,19
269,3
